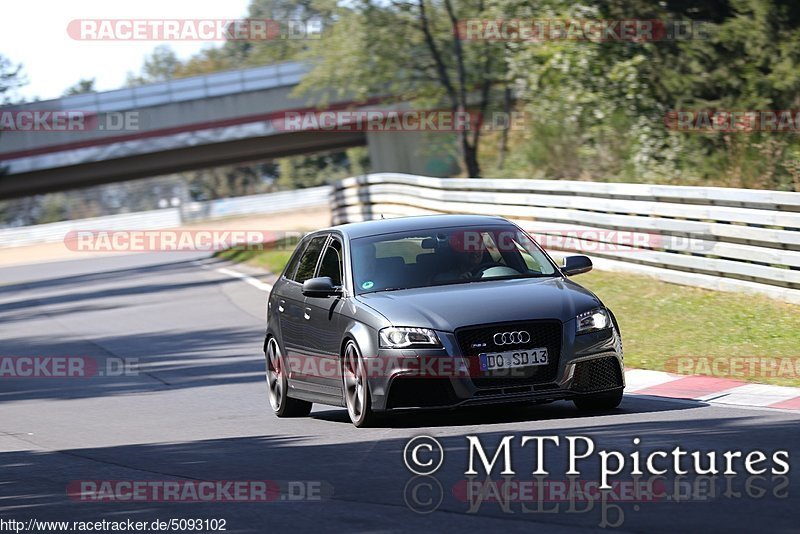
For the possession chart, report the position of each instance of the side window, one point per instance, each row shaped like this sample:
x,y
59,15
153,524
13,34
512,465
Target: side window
x,y
291,268
530,261
332,262
308,262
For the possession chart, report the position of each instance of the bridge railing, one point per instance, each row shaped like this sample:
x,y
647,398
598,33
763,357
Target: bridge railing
x,y
717,238
179,90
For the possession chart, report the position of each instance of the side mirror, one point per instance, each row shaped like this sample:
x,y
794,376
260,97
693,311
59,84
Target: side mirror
x,y
321,287
576,265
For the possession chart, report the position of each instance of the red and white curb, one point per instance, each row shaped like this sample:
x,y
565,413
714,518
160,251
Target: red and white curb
x,y
711,390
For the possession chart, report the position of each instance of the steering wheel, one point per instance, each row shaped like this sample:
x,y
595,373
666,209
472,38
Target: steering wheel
x,y
478,271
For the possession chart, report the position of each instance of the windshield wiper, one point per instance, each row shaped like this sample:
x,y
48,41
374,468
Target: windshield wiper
x,y
392,289
510,277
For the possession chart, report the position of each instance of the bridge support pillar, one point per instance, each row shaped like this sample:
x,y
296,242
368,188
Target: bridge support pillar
x,y
405,152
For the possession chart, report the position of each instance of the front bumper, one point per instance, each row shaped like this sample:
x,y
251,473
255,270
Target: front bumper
x,y
587,365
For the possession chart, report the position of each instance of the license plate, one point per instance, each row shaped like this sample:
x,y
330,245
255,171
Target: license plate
x,y
512,359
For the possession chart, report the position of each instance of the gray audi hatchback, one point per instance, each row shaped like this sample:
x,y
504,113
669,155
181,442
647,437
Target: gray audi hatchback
x,y
437,311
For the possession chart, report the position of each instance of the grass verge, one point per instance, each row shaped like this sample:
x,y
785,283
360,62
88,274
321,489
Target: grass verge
x,y
272,260
663,322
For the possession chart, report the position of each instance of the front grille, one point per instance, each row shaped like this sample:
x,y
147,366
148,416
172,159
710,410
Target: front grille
x,y
474,340
597,375
414,392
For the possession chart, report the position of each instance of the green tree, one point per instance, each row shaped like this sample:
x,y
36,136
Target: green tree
x,y
411,50
319,169
750,62
10,78
83,86
599,108
162,65
293,17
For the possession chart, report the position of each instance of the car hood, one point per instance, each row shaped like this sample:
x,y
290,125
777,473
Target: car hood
x,y
452,306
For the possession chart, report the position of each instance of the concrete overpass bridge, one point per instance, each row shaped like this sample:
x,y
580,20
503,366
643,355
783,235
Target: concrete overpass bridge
x,y
184,124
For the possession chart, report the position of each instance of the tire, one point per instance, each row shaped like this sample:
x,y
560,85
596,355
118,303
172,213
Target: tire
x,y
355,387
599,403
282,405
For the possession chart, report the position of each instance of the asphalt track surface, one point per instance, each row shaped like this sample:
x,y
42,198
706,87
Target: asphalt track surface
x,y
196,410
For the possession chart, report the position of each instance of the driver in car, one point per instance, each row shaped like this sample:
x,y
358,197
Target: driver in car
x,y
466,264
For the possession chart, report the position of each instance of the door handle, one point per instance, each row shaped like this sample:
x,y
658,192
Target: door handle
x,y
306,314
280,306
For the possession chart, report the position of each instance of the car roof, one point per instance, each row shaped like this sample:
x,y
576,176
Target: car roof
x,y
409,224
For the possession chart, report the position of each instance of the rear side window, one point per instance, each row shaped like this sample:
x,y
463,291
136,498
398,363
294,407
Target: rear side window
x,y
308,261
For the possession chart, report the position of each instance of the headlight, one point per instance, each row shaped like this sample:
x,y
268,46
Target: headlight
x,y
404,337
591,321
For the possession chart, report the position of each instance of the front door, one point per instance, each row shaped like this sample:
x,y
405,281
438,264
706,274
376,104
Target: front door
x,y
324,324
297,338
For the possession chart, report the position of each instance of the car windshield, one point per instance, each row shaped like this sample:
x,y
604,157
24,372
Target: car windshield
x,y
441,256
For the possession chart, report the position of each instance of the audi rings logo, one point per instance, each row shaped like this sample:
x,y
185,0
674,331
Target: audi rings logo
x,y
511,338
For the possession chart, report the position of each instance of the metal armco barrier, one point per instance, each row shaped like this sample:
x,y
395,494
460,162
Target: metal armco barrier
x,y
53,232
711,237
280,202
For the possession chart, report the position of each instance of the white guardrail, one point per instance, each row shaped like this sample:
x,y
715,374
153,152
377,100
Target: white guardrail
x,y
54,232
716,238
281,202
